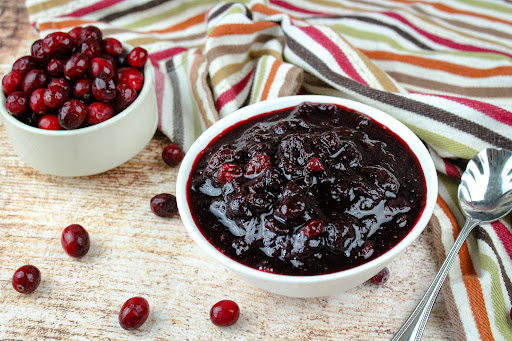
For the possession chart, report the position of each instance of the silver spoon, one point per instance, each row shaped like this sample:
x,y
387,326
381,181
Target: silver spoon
x,y
485,195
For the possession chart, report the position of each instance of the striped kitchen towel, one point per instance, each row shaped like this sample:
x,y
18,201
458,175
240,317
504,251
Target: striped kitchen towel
x,y
442,68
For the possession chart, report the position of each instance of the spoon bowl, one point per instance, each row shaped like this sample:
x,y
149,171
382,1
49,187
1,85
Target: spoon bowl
x,y
485,190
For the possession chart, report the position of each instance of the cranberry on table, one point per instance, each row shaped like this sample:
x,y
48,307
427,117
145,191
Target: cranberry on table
x,y
164,205
26,279
24,65
37,103
172,154
55,97
17,103
138,57
134,313
49,122
99,112
55,67
103,88
82,89
381,278
125,95
37,53
76,66
101,66
112,47
72,114
131,77
75,240
57,44
224,313
11,83
35,79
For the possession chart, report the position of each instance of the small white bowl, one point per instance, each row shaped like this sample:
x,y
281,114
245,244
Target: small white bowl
x,y
318,285
89,150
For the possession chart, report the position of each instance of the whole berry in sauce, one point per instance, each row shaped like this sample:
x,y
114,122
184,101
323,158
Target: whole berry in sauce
x,y
26,279
172,154
138,57
11,83
381,277
224,313
164,205
75,240
49,122
134,313
229,172
72,114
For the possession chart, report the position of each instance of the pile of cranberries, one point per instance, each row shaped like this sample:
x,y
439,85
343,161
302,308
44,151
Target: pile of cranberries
x,y
73,80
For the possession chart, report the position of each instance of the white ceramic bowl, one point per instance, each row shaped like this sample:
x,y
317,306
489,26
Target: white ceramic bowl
x,y
90,150
319,285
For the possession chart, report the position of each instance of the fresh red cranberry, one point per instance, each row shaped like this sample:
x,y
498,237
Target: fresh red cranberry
x,y
26,279
82,89
62,82
103,88
58,44
91,32
224,313
75,34
17,103
313,228
101,66
138,57
315,165
37,53
90,47
37,103
111,60
75,241
99,112
381,277
24,65
11,82
258,164
229,172
72,114
172,154
49,122
125,95
112,47
134,313
54,97
35,79
131,76
55,67
164,205
76,66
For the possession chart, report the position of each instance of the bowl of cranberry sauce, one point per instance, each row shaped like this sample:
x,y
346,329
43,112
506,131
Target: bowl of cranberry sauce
x,y
306,195
85,117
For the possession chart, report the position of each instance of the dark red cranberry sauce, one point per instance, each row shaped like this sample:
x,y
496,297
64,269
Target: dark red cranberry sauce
x,y
308,190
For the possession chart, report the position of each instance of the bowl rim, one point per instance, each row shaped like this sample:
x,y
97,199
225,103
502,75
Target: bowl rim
x,y
144,92
411,140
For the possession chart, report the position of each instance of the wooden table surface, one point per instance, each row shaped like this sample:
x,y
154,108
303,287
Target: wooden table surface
x,y
135,253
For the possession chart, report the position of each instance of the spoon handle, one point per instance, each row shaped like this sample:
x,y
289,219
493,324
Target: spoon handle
x,y
412,329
